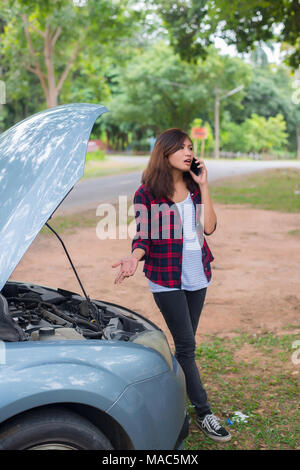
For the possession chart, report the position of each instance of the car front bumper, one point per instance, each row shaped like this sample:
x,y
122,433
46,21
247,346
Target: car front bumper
x,y
153,412
183,433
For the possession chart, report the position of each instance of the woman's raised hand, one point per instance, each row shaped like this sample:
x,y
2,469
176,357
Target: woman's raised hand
x,y
128,268
201,179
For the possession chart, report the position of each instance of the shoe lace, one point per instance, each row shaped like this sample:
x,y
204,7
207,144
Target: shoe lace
x,y
212,420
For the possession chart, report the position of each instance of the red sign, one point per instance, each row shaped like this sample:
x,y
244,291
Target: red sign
x,y
95,145
199,133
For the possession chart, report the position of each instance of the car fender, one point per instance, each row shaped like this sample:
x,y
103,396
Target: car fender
x,y
152,412
89,372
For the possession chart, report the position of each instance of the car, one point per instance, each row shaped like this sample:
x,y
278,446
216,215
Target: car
x,y
75,372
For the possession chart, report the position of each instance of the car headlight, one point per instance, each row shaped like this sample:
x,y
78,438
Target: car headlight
x,y
158,341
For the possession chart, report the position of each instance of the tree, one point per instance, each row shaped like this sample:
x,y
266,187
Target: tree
x,y
233,137
269,93
193,24
156,90
256,134
265,134
49,37
184,19
245,24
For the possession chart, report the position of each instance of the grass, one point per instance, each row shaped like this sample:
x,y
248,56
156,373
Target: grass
x,y
96,166
69,223
251,374
97,155
274,189
254,375
294,232
255,190
95,172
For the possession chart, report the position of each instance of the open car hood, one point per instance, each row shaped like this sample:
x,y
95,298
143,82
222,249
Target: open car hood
x,y
41,158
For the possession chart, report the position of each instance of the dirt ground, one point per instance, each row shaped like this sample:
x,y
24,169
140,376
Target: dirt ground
x,y
256,272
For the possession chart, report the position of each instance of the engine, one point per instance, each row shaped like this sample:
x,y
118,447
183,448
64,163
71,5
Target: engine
x,y
35,313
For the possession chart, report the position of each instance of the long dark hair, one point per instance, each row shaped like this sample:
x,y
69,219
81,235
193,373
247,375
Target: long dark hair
x,y
157,177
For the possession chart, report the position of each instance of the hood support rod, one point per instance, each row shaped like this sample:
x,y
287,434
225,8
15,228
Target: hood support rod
x,y
73,267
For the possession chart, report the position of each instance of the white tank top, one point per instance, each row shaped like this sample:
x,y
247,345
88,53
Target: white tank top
x,y
192,272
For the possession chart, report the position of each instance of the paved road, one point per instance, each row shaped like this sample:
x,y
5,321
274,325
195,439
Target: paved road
x,y
89,193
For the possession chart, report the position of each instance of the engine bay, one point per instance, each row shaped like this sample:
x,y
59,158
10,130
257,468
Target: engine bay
x,y
42,313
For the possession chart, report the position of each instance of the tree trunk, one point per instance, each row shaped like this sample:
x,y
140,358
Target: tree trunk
x,y
48,56
48,81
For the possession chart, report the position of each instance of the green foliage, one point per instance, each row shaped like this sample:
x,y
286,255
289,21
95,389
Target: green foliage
x,y
158,91
88,84
254,21
223,73
233,137
253,374
270,190
182,19
192,23
78,38
256,134
268,94
265,134
96,156
123,62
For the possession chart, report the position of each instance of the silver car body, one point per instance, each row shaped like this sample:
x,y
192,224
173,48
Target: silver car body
x,y
133,385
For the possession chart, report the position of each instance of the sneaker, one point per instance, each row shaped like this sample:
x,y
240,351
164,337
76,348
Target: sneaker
x,y
211,426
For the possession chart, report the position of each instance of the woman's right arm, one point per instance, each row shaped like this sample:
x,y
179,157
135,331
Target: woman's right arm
x,y
141,241
128,264
138,253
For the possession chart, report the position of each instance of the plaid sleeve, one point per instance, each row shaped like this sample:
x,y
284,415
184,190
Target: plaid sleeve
x,y
142,214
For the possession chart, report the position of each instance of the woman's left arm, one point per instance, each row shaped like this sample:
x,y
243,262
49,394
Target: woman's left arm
x,y
210,218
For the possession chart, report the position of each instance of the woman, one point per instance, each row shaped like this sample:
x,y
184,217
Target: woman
x,y
177,267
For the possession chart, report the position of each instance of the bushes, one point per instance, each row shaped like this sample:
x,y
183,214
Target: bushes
x,y
256,134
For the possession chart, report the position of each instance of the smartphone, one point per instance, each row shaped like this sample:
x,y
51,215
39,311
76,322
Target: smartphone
x,y
194,167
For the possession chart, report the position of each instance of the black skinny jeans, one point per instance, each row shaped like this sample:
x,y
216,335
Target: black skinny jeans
x,y
181,310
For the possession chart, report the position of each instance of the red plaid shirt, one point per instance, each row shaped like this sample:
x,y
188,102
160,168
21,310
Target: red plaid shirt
x,y
163,256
